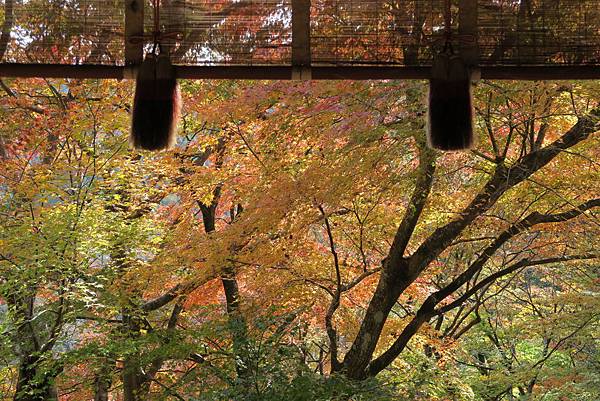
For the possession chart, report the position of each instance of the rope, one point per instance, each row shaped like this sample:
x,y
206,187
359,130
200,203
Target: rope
x,y
448,17
448,26
157,36
156,31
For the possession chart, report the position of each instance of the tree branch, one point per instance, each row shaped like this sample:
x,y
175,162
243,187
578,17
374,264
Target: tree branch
x,y
394,272
512,268
335,302
416,204
427,309
503,179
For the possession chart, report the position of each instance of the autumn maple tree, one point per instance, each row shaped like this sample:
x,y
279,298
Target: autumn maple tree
x,y
298,236
301,241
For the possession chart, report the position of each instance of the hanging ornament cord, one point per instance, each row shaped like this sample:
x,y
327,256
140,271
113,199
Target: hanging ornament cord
x,y
157,102
157,36
448,27
450,117
156,30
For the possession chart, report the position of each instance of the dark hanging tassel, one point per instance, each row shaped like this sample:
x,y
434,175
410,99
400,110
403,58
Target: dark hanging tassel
x,y
450,122
156,104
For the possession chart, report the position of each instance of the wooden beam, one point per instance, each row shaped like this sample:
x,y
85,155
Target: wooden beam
x,y
87,71
134,31
301,33
529,73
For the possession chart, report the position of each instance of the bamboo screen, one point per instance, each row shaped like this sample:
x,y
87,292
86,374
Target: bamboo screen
x,y
343,32
63,32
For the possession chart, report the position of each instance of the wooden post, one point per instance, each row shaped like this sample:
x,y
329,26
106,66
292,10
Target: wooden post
x,y
467,31
134,27
301,59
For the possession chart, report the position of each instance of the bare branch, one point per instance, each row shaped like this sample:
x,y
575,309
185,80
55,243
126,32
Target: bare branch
x,y
503,179
335,302
416,204
427,309
512,268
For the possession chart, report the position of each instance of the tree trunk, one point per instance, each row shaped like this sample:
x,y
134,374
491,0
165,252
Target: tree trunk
x,y
33,384
237,322
135,383
135,388
101,393
391,283
103,381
